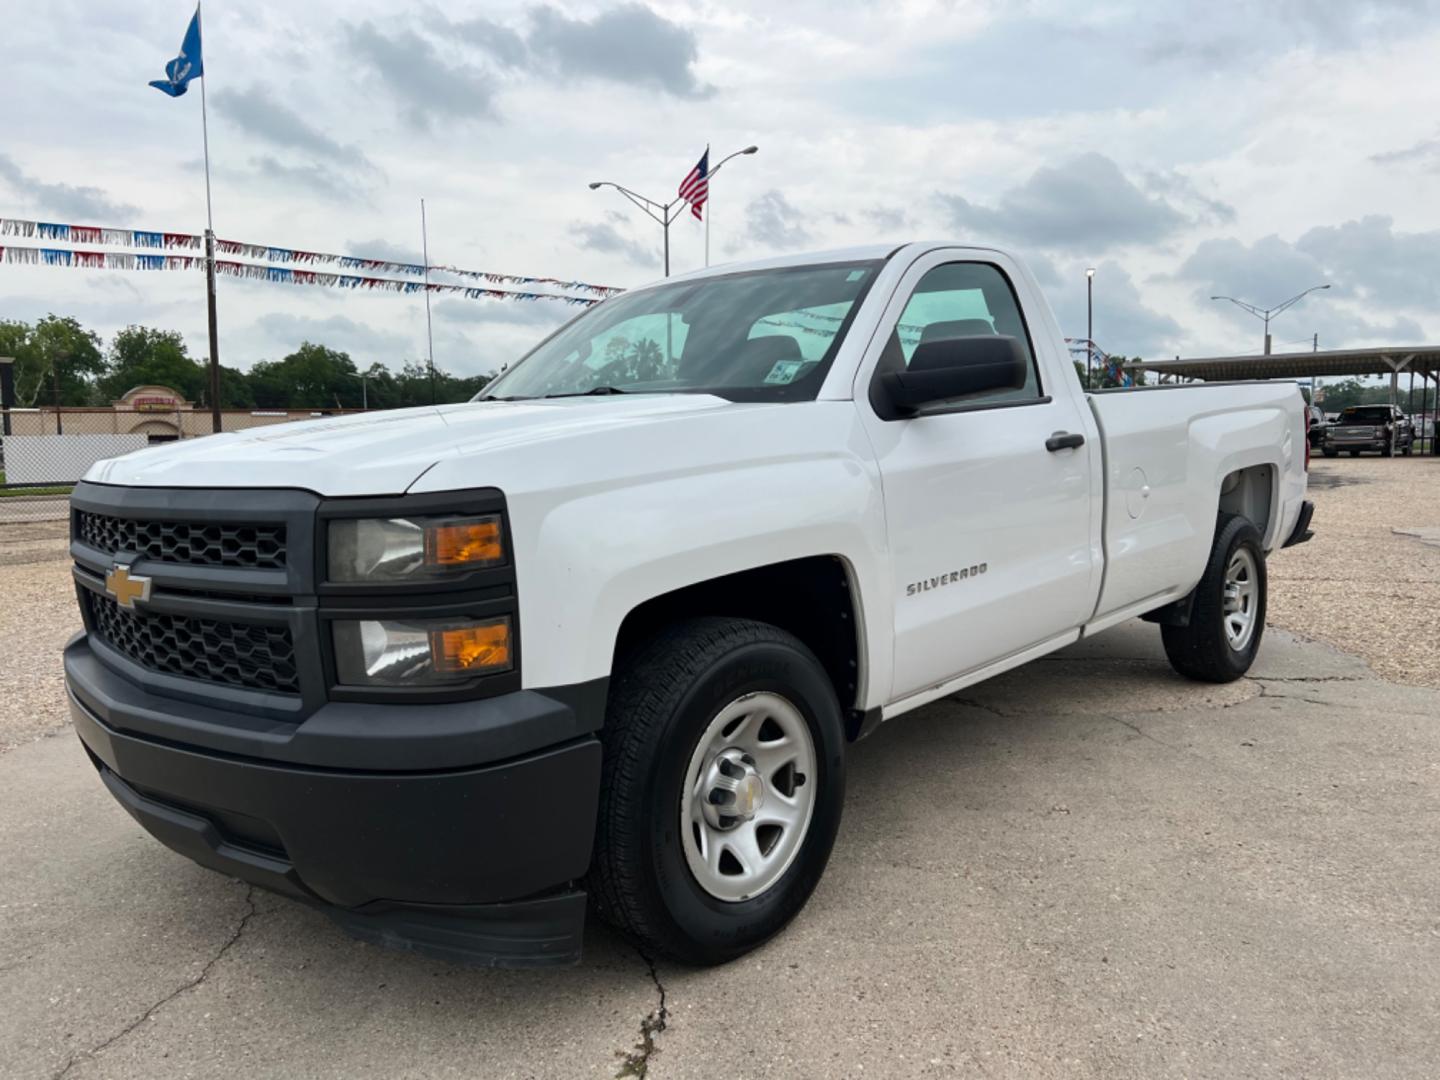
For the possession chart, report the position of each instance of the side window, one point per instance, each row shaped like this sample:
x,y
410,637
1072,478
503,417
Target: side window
x,y
962,299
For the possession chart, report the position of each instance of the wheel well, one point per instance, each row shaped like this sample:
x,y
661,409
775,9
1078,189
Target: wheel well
x,y
811,598
1248,492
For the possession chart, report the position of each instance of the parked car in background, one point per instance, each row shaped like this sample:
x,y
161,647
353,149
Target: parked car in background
x,y
1315,426
1383,428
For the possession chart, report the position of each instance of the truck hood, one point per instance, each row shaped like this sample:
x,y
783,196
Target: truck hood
x,y
382,453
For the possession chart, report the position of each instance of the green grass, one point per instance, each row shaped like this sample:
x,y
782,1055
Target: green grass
x,y
30,492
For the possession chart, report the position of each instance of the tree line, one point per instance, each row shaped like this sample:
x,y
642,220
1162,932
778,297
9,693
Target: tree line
x,y
58,361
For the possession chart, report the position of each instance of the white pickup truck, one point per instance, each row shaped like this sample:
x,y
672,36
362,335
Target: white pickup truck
x,y
607,631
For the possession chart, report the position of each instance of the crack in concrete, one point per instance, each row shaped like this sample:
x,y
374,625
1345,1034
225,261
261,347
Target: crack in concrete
x,y
972,703
1308,678
636,1062
1272,693
149,1013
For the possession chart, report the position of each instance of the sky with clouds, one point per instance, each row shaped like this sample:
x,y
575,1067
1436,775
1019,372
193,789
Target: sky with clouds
x,y
1183,149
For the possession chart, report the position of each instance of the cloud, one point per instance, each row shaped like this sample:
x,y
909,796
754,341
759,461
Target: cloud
x,y
257,114
1085,203
626,44
384,249
1181,190
889,219
608,240
308,179
1390,268
1192,35
1124,324
364,343
426,85
772,220
502,43
543,314
1373,271
1424,152
81,204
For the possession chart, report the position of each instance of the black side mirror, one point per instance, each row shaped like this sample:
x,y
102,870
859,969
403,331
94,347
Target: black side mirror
x,y
953,368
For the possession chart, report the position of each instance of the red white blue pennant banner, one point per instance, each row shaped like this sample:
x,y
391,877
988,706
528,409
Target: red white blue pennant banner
x,y
110,260
144,239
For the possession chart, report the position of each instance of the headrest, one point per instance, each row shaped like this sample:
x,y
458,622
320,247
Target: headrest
x,y
940,331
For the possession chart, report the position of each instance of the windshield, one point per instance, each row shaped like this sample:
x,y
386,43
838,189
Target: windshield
x,y
761,335
1374,414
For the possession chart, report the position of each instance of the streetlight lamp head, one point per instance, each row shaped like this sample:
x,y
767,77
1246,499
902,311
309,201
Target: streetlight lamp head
x,y
750,150
595,185
1090,271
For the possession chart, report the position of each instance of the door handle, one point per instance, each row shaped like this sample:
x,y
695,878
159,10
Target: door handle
x,y
1064,440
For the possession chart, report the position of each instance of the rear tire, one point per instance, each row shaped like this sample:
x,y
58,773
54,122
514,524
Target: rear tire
x,y
659,872
1331,453
1354,453
1228,617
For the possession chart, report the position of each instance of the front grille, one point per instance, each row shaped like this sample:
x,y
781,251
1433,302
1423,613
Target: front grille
x,y
214,650
260,547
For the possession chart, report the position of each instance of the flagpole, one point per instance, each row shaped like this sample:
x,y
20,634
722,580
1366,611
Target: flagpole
x,y
429,327
711,208
216,424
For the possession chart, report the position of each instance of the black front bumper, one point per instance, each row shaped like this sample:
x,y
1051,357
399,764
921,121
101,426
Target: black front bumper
x,y
440,828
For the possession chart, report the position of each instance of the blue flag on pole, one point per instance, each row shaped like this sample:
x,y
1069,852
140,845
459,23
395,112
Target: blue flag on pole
x,y
188,65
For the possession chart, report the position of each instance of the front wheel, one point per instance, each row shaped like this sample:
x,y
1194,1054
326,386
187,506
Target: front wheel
x,y
1228,617
722,786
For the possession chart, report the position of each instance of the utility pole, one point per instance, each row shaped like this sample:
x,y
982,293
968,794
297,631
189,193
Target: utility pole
x,y
659,212
55,381
1089,326
1266,314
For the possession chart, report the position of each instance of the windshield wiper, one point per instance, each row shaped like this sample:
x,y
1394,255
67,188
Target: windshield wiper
x,y
596,391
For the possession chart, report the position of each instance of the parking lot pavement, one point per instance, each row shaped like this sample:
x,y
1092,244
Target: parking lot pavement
x,y
1084,868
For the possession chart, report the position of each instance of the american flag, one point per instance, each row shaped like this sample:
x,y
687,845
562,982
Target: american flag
x,y
695,188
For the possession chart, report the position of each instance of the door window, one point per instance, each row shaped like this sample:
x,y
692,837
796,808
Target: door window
x,y
962,299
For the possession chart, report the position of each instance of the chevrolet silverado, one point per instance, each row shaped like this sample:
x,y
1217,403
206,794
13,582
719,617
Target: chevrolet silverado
x,y
604,635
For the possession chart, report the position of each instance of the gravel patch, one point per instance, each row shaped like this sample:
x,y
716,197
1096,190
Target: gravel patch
x,y
37,616
1360,584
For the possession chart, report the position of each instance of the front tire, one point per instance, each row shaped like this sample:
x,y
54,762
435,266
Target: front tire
x,y
1228,617
710,715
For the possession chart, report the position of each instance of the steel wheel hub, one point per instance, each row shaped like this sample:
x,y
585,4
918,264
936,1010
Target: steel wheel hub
x,y
748,796
1241,597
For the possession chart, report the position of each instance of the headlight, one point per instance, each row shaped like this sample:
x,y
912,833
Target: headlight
x,y
420,652
412,549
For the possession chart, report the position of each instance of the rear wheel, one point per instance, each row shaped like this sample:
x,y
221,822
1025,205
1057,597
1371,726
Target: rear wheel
x,y
1228,616
722,787
1330,453
1354,453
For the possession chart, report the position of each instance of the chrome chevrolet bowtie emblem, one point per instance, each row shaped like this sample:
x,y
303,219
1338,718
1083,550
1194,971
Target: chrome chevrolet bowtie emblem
x,y
126,587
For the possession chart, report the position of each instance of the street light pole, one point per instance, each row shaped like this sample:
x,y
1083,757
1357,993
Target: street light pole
x,y
716,169
1266,314
657,211
1089,325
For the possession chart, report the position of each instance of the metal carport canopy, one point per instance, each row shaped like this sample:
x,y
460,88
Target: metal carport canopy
x,y
1423,359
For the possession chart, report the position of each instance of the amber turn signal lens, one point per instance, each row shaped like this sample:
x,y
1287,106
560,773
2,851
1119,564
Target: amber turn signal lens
x,y
472,650
473,542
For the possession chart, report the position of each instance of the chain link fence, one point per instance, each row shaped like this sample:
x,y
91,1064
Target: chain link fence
x,y
44,452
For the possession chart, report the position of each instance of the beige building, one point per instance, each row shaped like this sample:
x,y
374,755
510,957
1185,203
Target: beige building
x,y
157,412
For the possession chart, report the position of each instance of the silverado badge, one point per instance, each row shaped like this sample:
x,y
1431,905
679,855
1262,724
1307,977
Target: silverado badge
x,y
125,587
